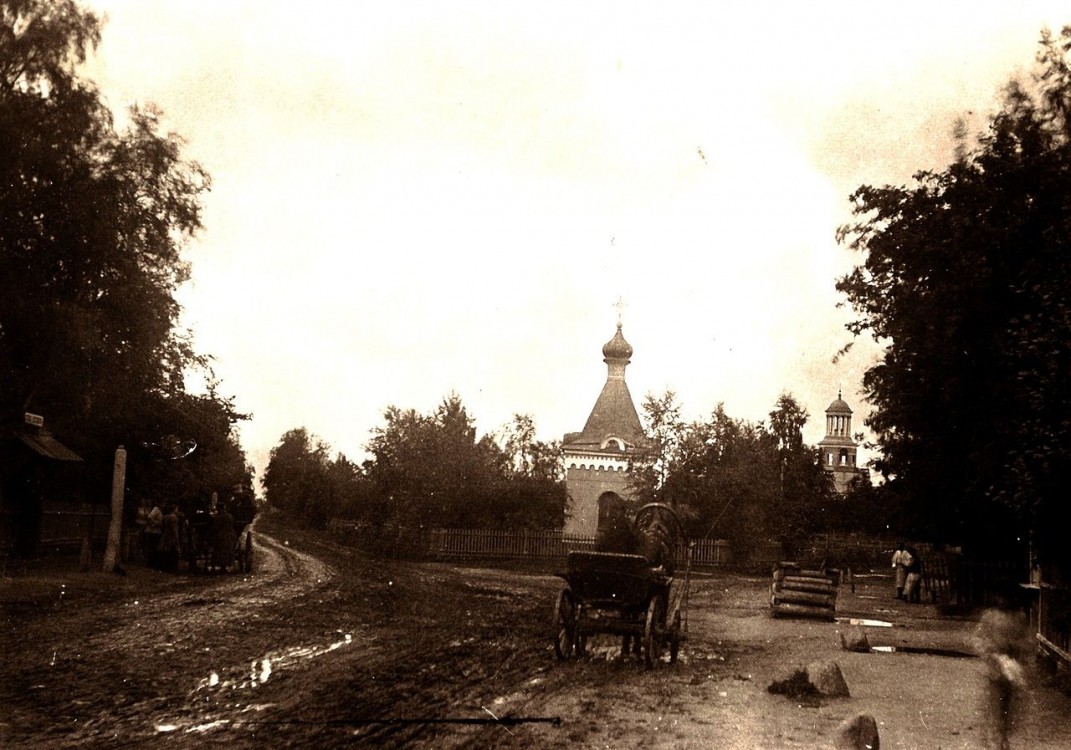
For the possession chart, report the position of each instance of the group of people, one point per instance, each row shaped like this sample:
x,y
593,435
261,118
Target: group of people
x,y
908,566
160,537
168,534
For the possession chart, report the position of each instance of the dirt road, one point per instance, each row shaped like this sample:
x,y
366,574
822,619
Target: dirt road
x,y
323,647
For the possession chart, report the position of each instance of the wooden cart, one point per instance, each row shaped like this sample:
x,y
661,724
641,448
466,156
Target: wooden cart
x,y
624,594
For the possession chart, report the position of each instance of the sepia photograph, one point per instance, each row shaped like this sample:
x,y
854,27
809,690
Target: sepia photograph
x,y
510,375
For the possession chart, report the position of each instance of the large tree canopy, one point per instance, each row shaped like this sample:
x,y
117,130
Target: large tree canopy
x,y
430,470
92,223
965,279
732,478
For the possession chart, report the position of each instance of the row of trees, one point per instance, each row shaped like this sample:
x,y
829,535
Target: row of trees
x,y
966,280
425,469
93,221
732,478
729,477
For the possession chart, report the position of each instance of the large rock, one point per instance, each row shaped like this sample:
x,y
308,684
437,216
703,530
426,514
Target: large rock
x,y
827,679
854,638
859,732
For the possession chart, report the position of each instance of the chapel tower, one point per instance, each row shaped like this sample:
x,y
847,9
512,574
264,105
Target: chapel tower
x,y
597,457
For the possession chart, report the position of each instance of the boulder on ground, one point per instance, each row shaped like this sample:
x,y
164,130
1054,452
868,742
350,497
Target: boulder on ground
x,y
854,639
827,679
859,732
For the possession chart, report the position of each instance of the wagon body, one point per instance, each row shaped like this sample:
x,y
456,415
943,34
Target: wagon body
x,y
616,594
612,579
201,551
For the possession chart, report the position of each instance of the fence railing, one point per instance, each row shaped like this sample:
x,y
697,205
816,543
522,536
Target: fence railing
x,y
953,581
536,545
505,544
63,527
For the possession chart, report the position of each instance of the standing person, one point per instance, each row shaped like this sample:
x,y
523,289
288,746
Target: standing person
x,y
913,581
1001,639
223,539
900,566
169,540
154,527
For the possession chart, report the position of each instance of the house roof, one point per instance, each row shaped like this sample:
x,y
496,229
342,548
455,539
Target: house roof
x,y
45,445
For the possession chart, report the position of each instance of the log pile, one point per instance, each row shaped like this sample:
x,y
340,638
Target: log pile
x,y
802,592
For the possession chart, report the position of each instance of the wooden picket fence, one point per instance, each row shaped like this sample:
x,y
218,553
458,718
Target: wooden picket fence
x,y
960,583
495,544
63,528
1050,614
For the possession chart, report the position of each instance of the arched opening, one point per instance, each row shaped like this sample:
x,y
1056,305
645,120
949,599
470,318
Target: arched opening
x,y
611,510
614,531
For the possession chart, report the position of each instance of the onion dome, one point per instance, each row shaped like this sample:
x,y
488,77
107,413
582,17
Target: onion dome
x,y
617,347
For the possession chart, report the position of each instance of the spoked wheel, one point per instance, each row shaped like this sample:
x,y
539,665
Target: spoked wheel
x,y
565,621
675,636
654,631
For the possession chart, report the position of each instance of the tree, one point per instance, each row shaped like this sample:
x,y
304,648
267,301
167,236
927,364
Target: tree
x,y
92,224
433,469
966,279
198,455
805,494
525,454
297,479
651,467
786,422
532,492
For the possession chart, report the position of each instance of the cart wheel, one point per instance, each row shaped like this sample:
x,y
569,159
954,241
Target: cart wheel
x,y
675,637
653,631
565,620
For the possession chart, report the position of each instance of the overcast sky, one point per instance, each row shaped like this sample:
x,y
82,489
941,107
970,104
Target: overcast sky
x,y
413,199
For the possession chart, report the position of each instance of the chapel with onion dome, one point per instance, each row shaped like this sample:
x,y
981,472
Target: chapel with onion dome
x,y
597,457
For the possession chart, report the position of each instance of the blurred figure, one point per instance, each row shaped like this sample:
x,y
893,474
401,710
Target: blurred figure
x,y
154,527
656,545
900,566
913,580
615,533
169,540
223,539
1002,640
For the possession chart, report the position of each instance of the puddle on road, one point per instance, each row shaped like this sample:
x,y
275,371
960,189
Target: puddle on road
x,y
260,672
261,669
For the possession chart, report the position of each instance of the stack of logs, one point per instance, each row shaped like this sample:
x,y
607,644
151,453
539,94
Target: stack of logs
x,y
802,592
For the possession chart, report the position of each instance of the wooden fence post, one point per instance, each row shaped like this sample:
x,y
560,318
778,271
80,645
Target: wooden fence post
x,y
115,528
